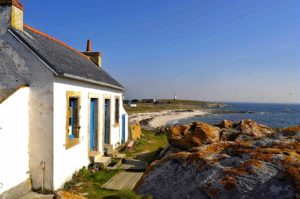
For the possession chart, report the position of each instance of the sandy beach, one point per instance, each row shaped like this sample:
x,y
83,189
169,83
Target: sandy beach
x,y
158,119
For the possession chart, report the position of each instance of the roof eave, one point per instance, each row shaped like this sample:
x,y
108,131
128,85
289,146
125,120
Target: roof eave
x,y
74,77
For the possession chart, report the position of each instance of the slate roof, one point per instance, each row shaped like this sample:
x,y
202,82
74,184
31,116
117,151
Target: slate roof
x,y
63,59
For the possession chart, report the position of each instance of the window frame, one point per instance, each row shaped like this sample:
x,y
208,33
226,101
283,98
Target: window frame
x,y
75,141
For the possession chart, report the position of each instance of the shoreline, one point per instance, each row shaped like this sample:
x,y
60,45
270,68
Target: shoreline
x,y
162,118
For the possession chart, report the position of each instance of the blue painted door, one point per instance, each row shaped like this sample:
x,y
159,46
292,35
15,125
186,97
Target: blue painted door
x,y
93,124
123,128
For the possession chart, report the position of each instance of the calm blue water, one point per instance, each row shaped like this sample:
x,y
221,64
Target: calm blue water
x,y
274,115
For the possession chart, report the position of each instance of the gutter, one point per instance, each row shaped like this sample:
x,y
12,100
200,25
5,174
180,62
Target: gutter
x,y
92,81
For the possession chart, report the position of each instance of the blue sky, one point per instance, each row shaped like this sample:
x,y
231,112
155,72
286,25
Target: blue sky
x,y
216,50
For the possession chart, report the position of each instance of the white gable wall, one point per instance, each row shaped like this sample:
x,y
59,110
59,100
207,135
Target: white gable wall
x,y
68,161
14,140
21,66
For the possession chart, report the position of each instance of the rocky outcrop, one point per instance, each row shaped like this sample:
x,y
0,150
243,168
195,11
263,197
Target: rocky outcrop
x,y
291,130
251,128
185,137
225,124
207,133
264,164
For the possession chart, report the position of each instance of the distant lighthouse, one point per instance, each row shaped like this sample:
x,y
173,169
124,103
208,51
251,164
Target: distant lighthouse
x,y
175,97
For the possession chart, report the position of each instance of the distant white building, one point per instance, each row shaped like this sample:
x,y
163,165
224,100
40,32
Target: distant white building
x,y
132,105
58,107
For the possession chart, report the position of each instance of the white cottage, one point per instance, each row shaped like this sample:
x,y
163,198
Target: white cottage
x,y
58,106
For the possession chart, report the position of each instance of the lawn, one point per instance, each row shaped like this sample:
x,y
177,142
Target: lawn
x,y
170,105
89,182
148,146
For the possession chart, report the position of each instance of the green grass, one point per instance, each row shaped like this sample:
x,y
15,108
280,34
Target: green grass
x,y
85,181
150,144
170,105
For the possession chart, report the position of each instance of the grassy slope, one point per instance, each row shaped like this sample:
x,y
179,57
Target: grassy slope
x,y
170,105
149,145
89,182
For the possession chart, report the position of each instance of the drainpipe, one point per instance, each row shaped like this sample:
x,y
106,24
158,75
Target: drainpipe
x,y
43,163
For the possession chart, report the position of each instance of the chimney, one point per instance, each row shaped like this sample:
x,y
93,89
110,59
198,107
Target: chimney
x,y
96,57
89,46
11,15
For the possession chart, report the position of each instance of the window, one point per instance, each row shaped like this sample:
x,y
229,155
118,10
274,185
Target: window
x,y
117,111
73,124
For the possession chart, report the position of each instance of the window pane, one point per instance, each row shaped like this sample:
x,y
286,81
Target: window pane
x,y
117,114
74,118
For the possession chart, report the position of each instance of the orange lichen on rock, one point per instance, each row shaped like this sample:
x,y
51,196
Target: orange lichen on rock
x,y
151,167
251,128
262,156
292,129
209,190
294,173
208,133
228,182
195,156
68,195
194,140
244,168
221,168
181,143
177,156
270,150
225,124
291,145
180,130
251,163
239,171
217,147
244,143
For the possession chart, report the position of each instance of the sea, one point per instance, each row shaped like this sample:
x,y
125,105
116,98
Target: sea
x,y
273,115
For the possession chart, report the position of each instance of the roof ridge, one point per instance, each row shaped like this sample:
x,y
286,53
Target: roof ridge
x,y
54,39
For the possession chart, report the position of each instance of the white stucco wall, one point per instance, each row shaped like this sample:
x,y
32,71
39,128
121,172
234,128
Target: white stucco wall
x,y
68,161
14,140
19,66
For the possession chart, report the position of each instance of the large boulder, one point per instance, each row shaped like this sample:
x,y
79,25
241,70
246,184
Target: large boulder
x,y
186,137
253,129
268,167
228,134
179,130
207,133
179,136
225,124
